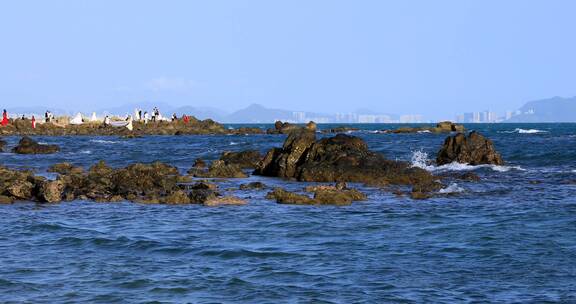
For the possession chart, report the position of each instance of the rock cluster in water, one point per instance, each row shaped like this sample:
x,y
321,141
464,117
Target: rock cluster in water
x,y
341,158
179,127
28,146
441,127
145,183
322,195
287,128
473,149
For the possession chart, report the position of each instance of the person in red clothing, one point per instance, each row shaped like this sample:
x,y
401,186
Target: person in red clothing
x,y
4,118
33,122
186,118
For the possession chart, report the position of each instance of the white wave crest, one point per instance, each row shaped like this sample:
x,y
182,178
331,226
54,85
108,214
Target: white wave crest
x,y
452,188
424,131
102,141
420,160
525,131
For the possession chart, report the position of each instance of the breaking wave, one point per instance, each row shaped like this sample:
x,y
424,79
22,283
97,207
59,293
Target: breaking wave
x,y
525,131
452,188
102,141
420,160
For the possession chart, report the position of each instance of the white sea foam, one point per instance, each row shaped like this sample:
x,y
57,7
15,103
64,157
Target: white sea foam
x,y
233,143
420,160
424,131
525,131
102,141
452,188
85,152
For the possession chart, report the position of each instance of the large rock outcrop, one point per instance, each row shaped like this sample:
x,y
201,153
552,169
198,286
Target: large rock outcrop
x,y
473,149
28,146
339,158
244,159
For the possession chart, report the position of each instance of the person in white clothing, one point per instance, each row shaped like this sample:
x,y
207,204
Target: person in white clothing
x,y
146,117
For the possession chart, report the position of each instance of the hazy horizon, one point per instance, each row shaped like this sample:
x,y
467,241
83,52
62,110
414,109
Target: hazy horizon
x,y
436,58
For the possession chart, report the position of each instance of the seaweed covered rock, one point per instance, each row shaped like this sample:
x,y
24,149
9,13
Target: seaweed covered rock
x,y
473,149
223,201
322,196
219,169
52,191
145,180
341,158
244,159
28,146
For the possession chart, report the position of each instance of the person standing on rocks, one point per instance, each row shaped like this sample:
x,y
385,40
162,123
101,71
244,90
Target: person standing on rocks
x,y
33,122
185,118
146,117
4,118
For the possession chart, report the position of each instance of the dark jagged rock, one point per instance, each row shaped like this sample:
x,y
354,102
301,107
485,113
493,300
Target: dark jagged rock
x,y
28,146
283,162
148,180
219,169
253,186
200,196
341,129
473,149
245,159
338,158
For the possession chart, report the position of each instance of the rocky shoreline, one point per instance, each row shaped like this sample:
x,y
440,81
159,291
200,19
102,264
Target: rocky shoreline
x,y
334,160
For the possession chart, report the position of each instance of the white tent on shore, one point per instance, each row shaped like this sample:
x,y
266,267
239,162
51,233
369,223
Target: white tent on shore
x,y
77,120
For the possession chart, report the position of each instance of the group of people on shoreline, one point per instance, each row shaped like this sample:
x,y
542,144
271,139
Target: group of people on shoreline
x,y
139,116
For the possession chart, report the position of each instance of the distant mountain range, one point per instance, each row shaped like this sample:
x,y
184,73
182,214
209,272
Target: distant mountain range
x,y
556,109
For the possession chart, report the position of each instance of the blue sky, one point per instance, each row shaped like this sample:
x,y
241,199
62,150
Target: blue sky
x,y
436,58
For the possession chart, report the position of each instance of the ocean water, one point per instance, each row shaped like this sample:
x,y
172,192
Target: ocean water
x,y
509,238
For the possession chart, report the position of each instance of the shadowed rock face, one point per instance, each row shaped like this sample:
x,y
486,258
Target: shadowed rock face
x,y
473,149
218,169
28,146
339,158
245,159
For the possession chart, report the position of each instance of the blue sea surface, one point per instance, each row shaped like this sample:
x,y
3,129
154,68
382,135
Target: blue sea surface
x,y
508,238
